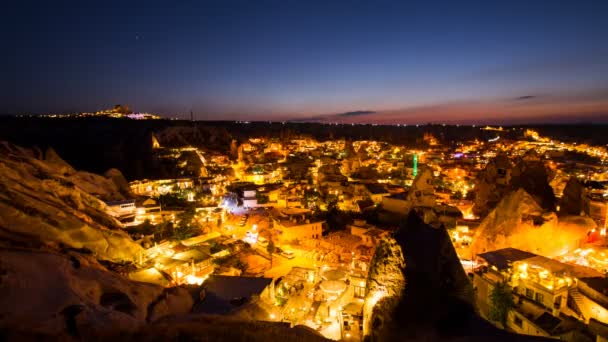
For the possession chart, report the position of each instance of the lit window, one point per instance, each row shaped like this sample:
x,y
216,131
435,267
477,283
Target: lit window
x,y
539,297
558,302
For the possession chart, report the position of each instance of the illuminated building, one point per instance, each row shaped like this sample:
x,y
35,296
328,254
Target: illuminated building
x,y
294,225
595,202
544,291
370,235
123,211
160,187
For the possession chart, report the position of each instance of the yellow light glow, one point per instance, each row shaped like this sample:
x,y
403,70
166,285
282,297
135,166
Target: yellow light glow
x,y
194,280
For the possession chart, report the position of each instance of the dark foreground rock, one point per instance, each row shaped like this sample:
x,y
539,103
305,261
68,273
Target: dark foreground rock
x,y
436,303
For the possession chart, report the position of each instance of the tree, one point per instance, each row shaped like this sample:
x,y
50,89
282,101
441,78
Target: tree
x,y
145,228
332,203
262,198
501,302
270,249
457,195
187,226
310,198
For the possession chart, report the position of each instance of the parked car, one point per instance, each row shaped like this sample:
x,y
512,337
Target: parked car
x,y
288,254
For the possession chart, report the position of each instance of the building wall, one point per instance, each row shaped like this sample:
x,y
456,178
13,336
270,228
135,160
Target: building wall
x,y
547,298
303,231
483,287
520,324
591,309
122,210
395,205
250,202
249,193
597,210
377,198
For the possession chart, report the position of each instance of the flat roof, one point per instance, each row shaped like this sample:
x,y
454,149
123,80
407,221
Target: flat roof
x,y
503,257
128,201
376,188
558,267
399,196
191,254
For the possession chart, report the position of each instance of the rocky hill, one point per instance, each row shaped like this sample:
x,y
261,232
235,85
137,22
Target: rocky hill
x,y
58,294
56,246
67,295
43,198
518,221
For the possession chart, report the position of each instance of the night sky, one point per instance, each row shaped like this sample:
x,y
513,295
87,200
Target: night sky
x,y
353,61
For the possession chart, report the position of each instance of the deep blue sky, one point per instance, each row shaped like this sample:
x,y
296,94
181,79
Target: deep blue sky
x,y
456,61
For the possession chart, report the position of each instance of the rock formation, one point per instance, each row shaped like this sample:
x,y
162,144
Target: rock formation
x,y
501,177
518,221
120,181
49,201
491,183
418,290
422,192
385,284
49,294
52,158
55,239
571,202
533,176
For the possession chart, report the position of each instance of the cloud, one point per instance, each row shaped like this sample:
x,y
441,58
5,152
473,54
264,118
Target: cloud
x,y
356,113
336,117
525,97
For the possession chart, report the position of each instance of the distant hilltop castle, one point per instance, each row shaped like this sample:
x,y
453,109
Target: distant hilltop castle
x,y
122,109
118,111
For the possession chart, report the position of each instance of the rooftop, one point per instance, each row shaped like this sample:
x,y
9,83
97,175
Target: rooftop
x,y
376,189
400,196
503,257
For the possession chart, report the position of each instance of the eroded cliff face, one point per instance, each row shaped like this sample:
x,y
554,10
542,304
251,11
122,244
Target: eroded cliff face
x,y
48,293
47,200
385,285
55,238
518,221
